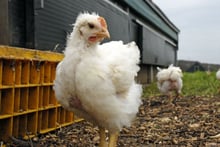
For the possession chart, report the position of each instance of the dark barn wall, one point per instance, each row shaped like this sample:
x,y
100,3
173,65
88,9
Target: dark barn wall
x,y
170,54
17,23
4,28
12,22
135,30
156,50
53,21
45,25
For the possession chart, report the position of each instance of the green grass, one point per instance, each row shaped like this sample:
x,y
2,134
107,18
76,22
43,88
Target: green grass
x,y
197,83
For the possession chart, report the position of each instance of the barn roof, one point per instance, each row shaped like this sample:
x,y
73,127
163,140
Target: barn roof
x,y
150,11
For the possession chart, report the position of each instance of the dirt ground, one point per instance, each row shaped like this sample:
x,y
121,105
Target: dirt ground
x,y
189,121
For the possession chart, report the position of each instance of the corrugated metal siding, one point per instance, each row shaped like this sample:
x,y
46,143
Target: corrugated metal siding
x,y
47,24
53,22
17,34
156,50
146,11
136,35
169,55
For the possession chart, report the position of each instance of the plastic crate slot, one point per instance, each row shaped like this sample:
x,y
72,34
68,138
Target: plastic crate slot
x,y
24,100
5,129
44,123
33,97
52,118
1,107
32,123
1,66
62,116
58,115
52,99
15,130
25,72
6,101
39,121
18,68
22,127
40,101
47,72
53,72
35,72
69,117
42,72
46,95
8,76
17,100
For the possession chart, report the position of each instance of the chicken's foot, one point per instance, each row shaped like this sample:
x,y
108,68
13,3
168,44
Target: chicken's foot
x,y
113,138
102,134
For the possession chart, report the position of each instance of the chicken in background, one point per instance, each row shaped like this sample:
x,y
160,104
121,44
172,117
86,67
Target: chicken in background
x,y
169,80
96,81
218,75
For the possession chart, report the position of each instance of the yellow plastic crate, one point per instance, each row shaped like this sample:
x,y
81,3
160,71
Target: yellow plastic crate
x,y
27,100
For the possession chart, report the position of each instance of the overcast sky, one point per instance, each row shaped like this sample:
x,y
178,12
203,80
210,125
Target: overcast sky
x,y
199,24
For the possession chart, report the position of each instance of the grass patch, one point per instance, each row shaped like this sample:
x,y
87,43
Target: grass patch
x,y
197,83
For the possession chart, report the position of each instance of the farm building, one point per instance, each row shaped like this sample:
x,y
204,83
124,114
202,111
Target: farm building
x,y
44,25
193,66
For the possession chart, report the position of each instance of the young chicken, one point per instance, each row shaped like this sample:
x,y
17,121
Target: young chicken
x,y
169,79
218,75
96,81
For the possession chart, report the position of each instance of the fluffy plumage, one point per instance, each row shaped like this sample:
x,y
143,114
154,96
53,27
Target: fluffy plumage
x,y
96,81
169,79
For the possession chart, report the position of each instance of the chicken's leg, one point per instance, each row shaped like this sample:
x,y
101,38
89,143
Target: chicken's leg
x,y
170,98
103,142
113,139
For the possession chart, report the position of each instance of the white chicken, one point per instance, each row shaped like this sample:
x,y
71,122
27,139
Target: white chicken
x,y
218,75
96,81
169,79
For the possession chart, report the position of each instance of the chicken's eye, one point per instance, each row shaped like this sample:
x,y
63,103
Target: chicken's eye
x,y
91,26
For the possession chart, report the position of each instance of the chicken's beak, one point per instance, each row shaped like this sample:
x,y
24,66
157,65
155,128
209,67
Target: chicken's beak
x,y
103,33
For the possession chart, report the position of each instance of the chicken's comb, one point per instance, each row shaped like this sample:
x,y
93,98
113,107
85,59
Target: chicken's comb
x,y
103,22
